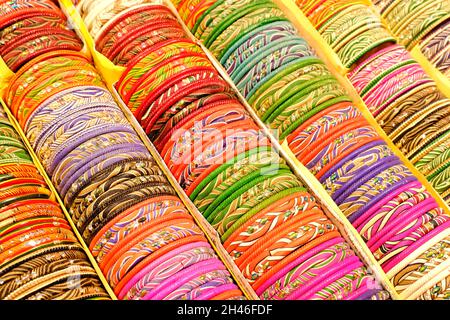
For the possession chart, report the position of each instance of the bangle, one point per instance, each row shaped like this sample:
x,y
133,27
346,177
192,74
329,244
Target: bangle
x,y
122,234
372,218
154,56
241,26
230,211
303,276
345,267
421,265
247,45
416,210
202,284
281,280
217,293
143,213
272,90
172,283
210,278
284,54
437,219
270,218
130,197
139,273
135,251
231,145
175,268
221,186
409,250
133,287
216,176
348,287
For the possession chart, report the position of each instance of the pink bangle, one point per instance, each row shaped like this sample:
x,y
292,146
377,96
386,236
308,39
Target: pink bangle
x,y
388,266
377,66
359,223
297,262
398,224
327,272
329,278
216,291
414,236
391,211
391,84
197,286
172,283
125,290
342,288
360,66
312,269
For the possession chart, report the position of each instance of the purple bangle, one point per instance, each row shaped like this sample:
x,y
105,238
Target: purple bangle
x,y
398,224
80,138
158,261
297,262
55,124
343,267
359,222
352,169
216,291
380,196
83,92
351,185
350,157
363,172
93,160
392,263
172,283
87,152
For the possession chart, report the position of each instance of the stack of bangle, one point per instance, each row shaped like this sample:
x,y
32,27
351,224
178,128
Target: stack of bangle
x,y
123,29
410,108
142,236
351,28
436,47
30,28
40,256
292,91
400,95
271,226
414,20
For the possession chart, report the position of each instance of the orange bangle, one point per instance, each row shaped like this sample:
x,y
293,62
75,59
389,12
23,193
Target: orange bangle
x,y
142,232
274,206
311,151
106,227
271,237
36,64
316,117
44,240
228,294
